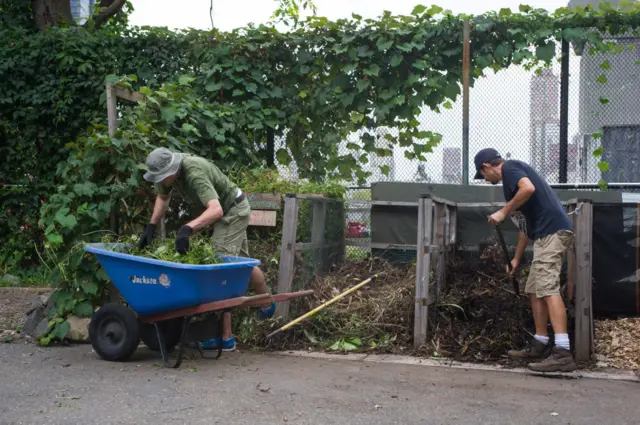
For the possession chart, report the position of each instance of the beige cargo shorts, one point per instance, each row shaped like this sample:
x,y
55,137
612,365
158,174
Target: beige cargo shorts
x,y
230,232
548,256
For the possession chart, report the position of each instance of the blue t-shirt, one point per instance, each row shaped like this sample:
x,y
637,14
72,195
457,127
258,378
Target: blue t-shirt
x,y
542,214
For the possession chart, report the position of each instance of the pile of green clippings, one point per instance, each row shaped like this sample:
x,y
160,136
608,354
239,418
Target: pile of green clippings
x,y
200,250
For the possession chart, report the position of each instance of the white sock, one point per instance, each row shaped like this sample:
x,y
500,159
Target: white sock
x,y
562,341
542,339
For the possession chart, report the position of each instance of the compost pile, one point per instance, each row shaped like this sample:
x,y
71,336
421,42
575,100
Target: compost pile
x,y
619,342
478,318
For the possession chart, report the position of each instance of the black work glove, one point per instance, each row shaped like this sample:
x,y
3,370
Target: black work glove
x,y
182,239
147,235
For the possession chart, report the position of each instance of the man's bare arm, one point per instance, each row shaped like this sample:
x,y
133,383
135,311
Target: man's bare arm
x,y
208,217
160,208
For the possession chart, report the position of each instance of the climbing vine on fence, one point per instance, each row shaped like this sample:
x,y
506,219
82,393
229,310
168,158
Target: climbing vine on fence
x,y
228,95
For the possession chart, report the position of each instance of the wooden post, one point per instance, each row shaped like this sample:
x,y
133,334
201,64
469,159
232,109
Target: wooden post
x,y
571,258
439,240
287,252
112,118
583,283
317,235
423,269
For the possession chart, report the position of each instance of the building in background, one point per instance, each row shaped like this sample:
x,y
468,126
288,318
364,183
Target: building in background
x,y
452,166
544,121
81,10
618,117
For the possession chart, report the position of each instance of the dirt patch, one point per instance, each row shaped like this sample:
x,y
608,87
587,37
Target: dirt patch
x,y
618,341
15,303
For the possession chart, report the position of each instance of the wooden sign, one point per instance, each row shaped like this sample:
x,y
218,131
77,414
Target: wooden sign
x,y
262,218
264,201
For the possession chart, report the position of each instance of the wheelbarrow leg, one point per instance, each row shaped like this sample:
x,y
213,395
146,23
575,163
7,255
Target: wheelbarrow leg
x,y
163,349
220,330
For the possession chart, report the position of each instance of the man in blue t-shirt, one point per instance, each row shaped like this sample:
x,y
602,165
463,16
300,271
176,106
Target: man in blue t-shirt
x,y
539,215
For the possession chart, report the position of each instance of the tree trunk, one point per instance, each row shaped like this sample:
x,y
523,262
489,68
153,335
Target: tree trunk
x,y
47,13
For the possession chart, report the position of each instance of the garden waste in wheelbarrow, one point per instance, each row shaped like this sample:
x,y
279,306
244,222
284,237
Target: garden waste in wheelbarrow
x,y
163,297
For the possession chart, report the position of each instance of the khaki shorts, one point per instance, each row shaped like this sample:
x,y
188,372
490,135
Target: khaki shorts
x,y
230,232
548,256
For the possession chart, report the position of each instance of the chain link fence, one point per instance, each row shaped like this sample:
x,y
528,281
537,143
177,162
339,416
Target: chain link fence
x,y
517,111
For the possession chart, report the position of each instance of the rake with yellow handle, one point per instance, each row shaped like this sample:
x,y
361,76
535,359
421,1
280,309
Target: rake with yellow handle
x,y
328,303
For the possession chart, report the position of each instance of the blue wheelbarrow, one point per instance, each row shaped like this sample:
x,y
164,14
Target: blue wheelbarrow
x,y
162,300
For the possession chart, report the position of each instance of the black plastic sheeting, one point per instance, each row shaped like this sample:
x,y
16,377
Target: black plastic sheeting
x,y
616,254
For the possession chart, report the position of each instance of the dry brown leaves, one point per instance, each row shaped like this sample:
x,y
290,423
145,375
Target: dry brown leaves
x,y
619,341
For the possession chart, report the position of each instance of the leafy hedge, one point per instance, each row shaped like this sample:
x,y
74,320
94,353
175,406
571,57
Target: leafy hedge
x,y
227,96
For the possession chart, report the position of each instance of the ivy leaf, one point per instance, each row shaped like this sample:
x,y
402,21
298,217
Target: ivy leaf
x,y
362,85
283,157
604,100
597,135
395,60
251,87
384,169
546,52
55,238
145,91
605,65
349,67
603,166
185,81
383,44
356,117
503,50
213,86
601,79
484,61
168,114
83,309
90,288
524,8
418,10
598,152
66,220
237,92
434,10
452,90
373,70
61,330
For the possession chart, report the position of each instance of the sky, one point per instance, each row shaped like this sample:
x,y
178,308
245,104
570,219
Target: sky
x,y
494,120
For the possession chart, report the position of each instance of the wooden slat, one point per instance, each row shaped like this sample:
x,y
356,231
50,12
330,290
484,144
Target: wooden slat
x,y
423,268
287,252
307,246
317,235
265,201
453,227
127,94
439,241
583,285
571,258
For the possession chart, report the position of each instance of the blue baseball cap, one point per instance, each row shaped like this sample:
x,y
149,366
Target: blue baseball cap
x,y
482,157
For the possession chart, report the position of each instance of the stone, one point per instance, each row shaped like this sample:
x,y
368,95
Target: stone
x,y
78,329
42,328
12,280
8,336
32,320
36,303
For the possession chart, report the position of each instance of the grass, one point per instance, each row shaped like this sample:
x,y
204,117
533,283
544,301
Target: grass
x,y
39,277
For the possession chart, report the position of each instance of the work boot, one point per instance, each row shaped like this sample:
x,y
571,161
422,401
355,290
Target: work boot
x,y
534,350
560,360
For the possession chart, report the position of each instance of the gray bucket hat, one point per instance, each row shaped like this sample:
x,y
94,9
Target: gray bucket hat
x,y
162,163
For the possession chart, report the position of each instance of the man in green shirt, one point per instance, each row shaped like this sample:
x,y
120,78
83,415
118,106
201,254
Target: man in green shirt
x,y
213,200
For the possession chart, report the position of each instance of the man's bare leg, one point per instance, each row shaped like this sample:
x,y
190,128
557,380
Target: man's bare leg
x,y
540,314
258,284
557,313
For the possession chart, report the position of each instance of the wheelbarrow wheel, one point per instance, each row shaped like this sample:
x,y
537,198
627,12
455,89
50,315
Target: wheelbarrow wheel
x,y
114,332
171,330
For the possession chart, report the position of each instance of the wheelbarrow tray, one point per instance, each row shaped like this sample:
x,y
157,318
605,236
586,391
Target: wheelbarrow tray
x,y
153,286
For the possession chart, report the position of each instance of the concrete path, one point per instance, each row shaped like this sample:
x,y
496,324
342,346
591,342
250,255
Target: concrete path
x,y
72,385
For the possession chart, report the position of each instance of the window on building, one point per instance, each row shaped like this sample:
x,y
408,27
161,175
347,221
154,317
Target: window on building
x,y
82,9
